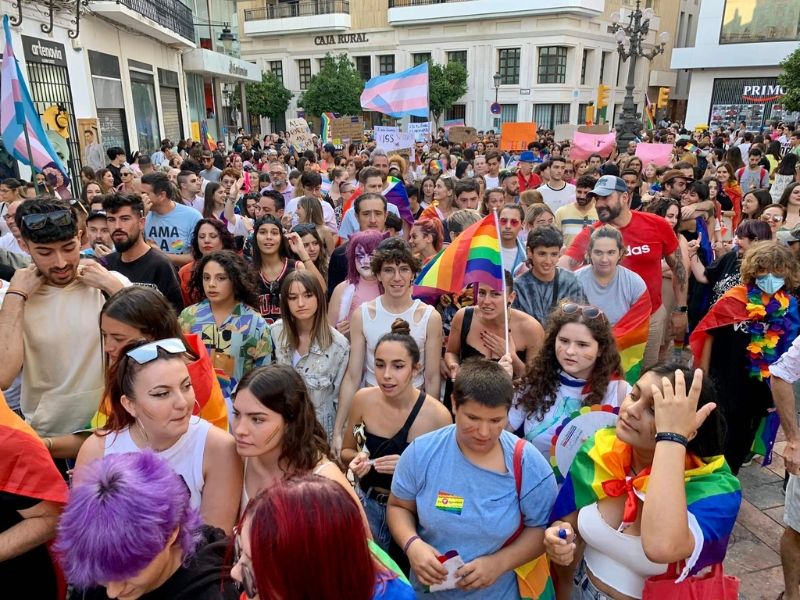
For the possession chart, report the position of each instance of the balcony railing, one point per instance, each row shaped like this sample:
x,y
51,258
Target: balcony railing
x,y
171,14
405,3
298,9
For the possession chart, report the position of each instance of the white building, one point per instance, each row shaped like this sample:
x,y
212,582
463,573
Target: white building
x,y
734,61
551,54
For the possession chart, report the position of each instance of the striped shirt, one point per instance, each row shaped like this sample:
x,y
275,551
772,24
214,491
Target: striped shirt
x,y
571,221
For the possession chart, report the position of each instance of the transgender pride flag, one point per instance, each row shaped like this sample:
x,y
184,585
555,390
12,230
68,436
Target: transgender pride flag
x,y
398,94
17,110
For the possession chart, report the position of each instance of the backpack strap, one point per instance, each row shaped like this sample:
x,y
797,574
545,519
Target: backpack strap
x,y
519,448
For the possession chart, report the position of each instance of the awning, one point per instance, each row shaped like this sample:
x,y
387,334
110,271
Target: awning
x,y
221,66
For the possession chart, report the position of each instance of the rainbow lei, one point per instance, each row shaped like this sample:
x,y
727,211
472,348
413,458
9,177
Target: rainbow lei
x,y
767,325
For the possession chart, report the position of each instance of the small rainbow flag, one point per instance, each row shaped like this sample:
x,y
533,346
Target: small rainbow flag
x,y
649,113
474,257
326,126
600,470
690,147
208,141
177,245
439,164
631,335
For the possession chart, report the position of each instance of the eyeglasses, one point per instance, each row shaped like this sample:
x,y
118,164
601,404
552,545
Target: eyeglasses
x,y
37,221
506,221
590,312
149,352
304,228
248,583
773,218
8,217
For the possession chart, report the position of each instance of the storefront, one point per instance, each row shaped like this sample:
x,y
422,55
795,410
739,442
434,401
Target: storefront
x,y
757,101
170,94
109,99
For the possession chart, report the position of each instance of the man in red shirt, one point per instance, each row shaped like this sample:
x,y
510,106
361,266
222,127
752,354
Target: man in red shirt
x,y
528,180
648,239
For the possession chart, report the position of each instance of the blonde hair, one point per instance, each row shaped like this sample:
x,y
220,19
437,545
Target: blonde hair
x,y
770,257
530,197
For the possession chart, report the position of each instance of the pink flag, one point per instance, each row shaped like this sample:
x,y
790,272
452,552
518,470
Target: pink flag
x,y
661,154
586,144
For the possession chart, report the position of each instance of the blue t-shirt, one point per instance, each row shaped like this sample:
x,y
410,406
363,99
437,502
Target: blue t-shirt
x,y
172,233
393,589
469,509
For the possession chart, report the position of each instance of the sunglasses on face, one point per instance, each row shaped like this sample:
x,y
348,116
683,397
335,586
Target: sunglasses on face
x,y
773,218
248,583
590,312
126,174
34,222
506,221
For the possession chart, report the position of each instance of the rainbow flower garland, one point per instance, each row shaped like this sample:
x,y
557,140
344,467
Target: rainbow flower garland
x,y
767,325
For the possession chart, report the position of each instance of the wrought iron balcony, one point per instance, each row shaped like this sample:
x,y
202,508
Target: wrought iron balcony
x,y
298,9
173,15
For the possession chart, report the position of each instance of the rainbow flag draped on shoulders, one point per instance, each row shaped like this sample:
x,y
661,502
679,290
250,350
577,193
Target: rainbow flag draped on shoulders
x,y
631,335
713,493
474,257
395,194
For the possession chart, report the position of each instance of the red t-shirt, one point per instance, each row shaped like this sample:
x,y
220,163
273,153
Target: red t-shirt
x,y
530,184
648,239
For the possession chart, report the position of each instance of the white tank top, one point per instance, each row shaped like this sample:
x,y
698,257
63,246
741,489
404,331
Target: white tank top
x,y
185,457
375,329
616,559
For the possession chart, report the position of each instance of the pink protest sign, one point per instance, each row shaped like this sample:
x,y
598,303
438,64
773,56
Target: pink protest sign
x,y
586,144
660,154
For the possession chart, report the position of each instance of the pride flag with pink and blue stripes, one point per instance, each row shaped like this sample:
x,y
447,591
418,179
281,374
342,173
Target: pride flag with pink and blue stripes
x,y
16,112
398,94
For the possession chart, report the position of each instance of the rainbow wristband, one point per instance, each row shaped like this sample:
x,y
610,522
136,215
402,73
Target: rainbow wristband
x,y
409,542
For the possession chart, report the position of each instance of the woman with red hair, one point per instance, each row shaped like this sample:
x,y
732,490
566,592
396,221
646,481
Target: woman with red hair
x,y
305,538
426,238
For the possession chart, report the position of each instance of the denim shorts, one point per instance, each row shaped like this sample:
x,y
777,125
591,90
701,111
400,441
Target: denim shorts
x,y
376,516
584,588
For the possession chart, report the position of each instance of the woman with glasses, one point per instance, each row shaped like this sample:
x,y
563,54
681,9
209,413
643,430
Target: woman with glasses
x,y
150,397
578,365
395,266
169,554
235,334
426,238
273,260
773,215
129,183
271,560
303,339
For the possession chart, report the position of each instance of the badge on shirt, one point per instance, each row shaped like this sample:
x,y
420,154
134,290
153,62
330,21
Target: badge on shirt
x,y
449,503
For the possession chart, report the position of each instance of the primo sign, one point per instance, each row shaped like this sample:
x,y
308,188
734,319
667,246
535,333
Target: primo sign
x,y
762,93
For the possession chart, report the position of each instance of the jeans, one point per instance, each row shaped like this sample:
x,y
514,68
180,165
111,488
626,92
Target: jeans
x,y
584,588
376,516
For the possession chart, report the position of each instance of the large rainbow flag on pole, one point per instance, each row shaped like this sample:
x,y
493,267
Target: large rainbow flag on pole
x,y
631,335
474,257
395,194
713,494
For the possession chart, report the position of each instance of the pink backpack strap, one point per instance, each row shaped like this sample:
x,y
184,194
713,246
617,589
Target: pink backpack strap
x,y
519,449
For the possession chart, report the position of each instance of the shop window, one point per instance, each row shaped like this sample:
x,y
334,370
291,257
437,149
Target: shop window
x,y
747,21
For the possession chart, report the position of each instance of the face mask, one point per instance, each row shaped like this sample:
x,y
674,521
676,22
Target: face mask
x,y
769,283
470,173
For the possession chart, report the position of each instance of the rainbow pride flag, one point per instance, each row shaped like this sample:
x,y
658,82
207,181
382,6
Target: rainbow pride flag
x,y
326,126
631,335
474,257
439,164
649,112
395,194
208,141
690,147
765,437
713,494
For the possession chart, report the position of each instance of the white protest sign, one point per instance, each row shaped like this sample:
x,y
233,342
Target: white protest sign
x,y
420,130
378,129
299,133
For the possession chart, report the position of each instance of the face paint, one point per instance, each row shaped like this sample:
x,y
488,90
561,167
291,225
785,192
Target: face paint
x,y
587,356
362,262
559,351
272,435
470,429
147,413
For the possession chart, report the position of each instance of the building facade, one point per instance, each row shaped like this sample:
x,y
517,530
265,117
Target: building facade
x,y
551,54
734,61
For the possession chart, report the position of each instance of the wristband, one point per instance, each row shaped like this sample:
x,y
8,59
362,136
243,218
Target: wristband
x,y
48,443
681,309
19,293
409,542
666,436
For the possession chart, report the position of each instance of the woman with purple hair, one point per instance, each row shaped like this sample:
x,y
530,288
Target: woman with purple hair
x,y
129,531
150,399
361,284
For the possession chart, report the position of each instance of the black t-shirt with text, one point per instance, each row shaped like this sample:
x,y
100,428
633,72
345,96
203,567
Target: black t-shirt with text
x,y
152,269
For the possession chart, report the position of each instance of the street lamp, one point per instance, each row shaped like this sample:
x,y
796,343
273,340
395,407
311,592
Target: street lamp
x,y
497,78
227,38
629,45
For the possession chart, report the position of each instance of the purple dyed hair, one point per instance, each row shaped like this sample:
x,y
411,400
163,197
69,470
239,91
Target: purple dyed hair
x,y
120,516
369,241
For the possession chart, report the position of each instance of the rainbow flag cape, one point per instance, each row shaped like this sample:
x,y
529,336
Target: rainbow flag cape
x,y
713,494
326,127
395,194
648,113
631,335
474,257
208,141
765,437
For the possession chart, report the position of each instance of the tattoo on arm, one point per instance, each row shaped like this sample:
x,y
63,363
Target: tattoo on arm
x,y
675,262
573,264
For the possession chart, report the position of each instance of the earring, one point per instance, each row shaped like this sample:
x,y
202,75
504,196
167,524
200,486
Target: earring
x,y
142,431
196,414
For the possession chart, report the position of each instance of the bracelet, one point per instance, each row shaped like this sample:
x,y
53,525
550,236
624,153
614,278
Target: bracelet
x,y
306,260
666,436
48,442
17,293
681,309
409,542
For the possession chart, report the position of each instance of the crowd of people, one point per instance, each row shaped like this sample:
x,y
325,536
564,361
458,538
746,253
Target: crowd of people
x,y
229,388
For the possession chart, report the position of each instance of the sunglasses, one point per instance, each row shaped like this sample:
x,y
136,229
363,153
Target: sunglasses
x,y
773,218
248,583
149,352
37,221
304,228
126,174
590,312
506,221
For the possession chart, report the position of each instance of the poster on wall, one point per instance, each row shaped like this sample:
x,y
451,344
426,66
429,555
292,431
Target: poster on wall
x,y
91,144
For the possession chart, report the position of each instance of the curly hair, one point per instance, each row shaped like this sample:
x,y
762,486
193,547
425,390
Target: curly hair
x,y
225,236
282,390
242,277
541,381
394,251
770,257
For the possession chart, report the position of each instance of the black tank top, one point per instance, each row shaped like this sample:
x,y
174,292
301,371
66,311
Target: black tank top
x,y
468,351
388,446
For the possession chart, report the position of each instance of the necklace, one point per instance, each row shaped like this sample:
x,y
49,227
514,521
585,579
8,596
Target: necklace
x,y
767,325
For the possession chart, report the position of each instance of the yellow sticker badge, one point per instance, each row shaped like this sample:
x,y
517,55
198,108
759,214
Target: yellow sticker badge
x,y
449,503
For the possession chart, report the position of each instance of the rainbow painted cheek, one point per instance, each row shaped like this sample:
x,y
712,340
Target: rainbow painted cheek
x,y
272,435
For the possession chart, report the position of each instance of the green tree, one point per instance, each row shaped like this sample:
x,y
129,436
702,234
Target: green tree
x,y
447,83
790,80
268,99
336,88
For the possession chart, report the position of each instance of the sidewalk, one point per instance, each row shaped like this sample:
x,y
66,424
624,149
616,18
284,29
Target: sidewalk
x,y
754,552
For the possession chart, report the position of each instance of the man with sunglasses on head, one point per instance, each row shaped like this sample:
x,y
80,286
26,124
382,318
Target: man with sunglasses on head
x,y
49,321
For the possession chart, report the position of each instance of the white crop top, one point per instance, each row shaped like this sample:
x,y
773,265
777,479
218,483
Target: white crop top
x,y
616,559
185,457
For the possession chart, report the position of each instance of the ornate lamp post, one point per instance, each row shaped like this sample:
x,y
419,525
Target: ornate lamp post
x,y
629,45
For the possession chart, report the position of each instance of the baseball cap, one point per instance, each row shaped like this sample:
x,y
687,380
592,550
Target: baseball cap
x,y
607,185
790,236
96,213
526,156
330,148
